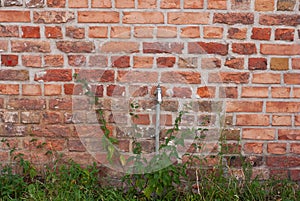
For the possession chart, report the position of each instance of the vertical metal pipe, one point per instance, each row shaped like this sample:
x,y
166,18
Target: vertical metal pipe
x,y
157,123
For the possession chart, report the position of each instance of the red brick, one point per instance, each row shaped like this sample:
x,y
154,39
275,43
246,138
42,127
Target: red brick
x,y
30,32
147,4
15,75
53,32
56,3
193,4
120,61
98,17
283,107
258,133
75,46
30,46
97,75
143,119
170,4
181,77
206,92
54,60
295,148
244,48
291,78
31,90
295,175
60,104
3,45
263,5
77,60
281,120
119,47
212,32
26,103
276,148
253,148
237,33
120,32
297,120
296,92
228,77
9,89
182,92
54,75
137,77
101,4
9,31
35,3
240,5
138,91
75,32
9,60
257,63
53,17
97,32
217,4
283,161
296,63
124,3
143,18
261,33
72,89
252,120
235,63
14,16
98,61
32,61
228,92
255,92
115,90
244,106
279,19
286,5
143,32
266,78
188,62
163,47
233,18
280,92
142,62
190,32
207,48
284,34
163,62
78,3
167,32
188,18
52,89
288,134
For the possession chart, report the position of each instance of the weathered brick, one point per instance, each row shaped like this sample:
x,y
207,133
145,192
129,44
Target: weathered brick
x,y
190,32
181,77
30,46
228,77
78,3
75,32
9,31
240,5
279,63
97,75
16,75
253,148
163,62
75,46
3,45
142,62
286,5
187,62
282,161
119,47
276,148
292,78
212,32
296,92
295,63
143,18
282,107
228,92
281,120
261,33
9,60
235,63
121,61
35,3
170,4
56,3
244,48
101,4
32,61
54,75
263,5
137,77
26,103
255,92
60,104
115,90
14,16
188,18
244,106
295,149
51,131
207,48
257,63
258,133
77,60
182,92
54,60
280,49
266,78
288,134
279,19
52,89
233,18
97,32
53,32
53,17
30,117
206,92
13,3
193,4
98,61
252,120
30,32
9,89
143,32
163,47
217,4
284,34
237,33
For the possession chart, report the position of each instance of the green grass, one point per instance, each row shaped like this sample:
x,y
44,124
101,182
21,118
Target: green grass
x,y
72,182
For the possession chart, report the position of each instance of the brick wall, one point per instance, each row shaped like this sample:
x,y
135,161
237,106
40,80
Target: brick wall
x,y
236,61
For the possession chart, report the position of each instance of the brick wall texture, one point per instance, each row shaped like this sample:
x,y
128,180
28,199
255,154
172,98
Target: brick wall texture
x,y
238,58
